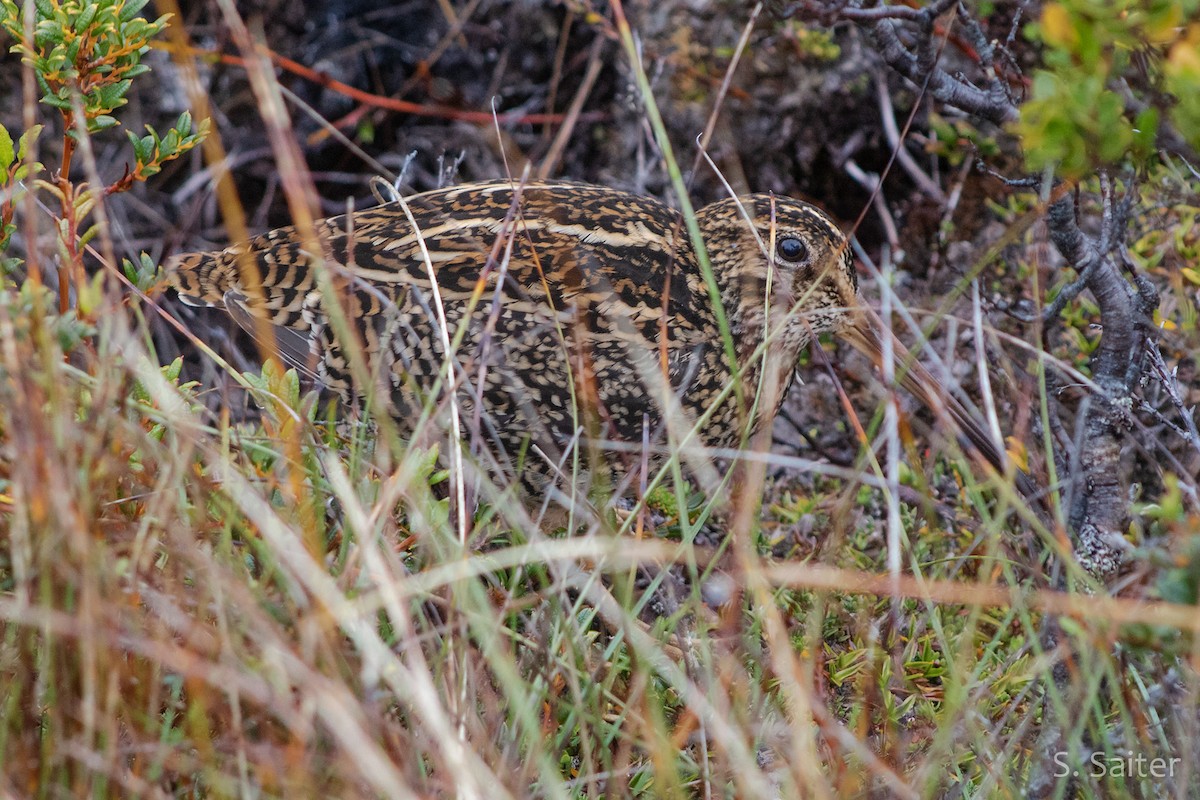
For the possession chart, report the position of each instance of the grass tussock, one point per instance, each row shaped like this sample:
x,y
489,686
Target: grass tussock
x,y
198,606
197,601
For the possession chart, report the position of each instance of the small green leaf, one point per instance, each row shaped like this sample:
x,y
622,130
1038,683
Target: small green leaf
x,y
135,30
173,370
143,147
144,274
88,235
6,149
53,100
86,17
47,186
84,203
26,141
25,170
91,295
131,9
72,51
113,95
102,122
1145,130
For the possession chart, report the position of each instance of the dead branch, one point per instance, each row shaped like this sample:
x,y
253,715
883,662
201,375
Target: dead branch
x,y
1098,507
1097,496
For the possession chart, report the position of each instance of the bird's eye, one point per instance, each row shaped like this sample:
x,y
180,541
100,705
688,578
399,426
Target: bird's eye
x,y
789,248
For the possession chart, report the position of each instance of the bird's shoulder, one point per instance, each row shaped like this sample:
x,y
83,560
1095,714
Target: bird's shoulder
x,y
607,252
571,242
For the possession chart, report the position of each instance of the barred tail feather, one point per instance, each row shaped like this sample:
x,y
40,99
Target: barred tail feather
x,y
202,279
212,279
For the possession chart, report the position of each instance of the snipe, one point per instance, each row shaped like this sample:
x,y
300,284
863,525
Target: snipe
x,y
576,314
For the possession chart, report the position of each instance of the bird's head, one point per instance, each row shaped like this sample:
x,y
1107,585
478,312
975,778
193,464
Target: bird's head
x,y
766,246
763,245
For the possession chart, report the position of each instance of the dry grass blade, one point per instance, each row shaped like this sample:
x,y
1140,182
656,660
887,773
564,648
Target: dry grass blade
x,y
215,582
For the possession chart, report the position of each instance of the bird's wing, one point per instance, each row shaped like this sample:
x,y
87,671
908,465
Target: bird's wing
x,y
294,347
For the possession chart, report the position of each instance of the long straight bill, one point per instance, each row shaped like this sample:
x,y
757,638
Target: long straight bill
x,y
867,337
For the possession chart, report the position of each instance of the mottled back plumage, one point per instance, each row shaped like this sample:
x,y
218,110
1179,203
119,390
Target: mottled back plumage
x,y
587,313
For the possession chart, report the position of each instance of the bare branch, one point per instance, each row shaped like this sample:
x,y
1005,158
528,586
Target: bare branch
x,y
888,114
1099,511
1098,503
808,9
992,104
1169,383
